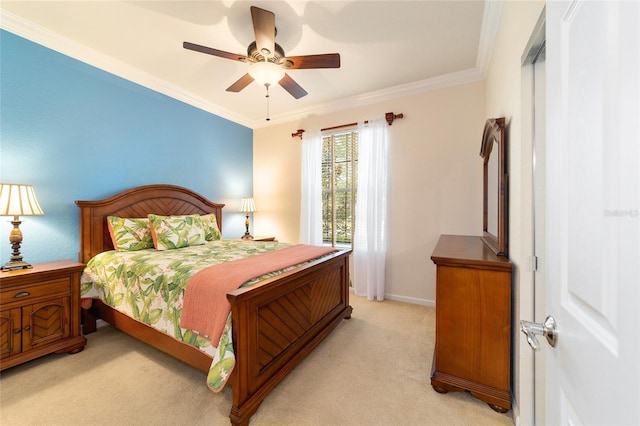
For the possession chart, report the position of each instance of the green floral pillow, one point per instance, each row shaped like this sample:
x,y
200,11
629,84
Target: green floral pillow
x,y
172,232
211,230
129,234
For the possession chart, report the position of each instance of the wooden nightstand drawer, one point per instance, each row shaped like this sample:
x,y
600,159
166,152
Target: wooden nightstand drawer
x,y
30,292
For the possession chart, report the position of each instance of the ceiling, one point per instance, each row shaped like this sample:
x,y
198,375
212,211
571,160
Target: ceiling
x,y
387,48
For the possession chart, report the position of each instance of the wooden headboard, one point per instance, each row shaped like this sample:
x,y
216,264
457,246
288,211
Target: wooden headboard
x,y
160,199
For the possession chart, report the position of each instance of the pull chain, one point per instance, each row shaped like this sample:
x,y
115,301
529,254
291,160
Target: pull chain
x,y
267,96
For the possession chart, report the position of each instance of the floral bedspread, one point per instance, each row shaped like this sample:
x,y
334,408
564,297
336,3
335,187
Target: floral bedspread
x,y
149,285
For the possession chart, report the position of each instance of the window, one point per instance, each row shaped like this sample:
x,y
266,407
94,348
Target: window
x,y
339,183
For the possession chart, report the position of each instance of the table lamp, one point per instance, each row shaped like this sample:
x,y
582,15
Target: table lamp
x,y
17,200
247,206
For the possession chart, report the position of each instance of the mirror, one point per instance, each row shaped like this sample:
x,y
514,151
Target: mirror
x,y
493,151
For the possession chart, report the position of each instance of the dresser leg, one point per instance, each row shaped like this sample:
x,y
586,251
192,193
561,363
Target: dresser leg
x,y
498,408
439,389
442,387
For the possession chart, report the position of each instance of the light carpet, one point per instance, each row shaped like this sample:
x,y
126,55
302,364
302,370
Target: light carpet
x,y
372,370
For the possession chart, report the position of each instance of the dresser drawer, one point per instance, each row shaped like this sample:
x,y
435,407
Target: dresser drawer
x,y
26,293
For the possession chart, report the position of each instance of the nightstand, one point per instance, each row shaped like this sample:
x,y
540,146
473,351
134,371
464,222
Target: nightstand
x,y
40,312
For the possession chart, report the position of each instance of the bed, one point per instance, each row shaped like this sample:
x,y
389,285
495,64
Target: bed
x,y
275,322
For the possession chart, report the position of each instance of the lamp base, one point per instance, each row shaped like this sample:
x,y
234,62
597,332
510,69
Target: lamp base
x,y
247,235
14,265
15,238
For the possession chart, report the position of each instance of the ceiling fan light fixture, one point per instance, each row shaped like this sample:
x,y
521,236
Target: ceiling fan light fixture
x,y
267,58
266,73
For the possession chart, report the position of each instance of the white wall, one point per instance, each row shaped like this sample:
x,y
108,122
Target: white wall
x,y
435,179
506,97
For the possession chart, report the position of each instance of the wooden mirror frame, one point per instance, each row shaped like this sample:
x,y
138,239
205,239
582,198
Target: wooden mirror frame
x,y
494,130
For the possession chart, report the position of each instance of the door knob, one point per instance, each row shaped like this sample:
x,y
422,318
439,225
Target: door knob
x,y
547,329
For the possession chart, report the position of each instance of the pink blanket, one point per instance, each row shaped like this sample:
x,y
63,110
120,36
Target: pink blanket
x,y
206,307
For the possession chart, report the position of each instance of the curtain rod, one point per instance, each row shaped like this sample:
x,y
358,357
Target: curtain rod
x,y
389,116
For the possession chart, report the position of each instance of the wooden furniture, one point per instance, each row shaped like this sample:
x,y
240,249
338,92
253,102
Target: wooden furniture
x,y
495,186
264,238
40,312
473,320
276,322
260,239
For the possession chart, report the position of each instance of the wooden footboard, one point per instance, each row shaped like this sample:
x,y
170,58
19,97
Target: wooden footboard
x,y
276,323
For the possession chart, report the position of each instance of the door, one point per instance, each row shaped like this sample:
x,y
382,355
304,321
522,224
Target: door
x,y
10,332
593,212
46,322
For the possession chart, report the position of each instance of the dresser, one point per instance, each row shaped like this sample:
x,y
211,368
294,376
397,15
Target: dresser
x,y
40,312
473,321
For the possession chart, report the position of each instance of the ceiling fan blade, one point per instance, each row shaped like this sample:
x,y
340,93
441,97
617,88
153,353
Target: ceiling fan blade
x,y
214,52
292,87
264,26
243,82
329,60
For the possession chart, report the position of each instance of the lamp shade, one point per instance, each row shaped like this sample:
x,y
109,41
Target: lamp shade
x,y
247,205
266,73
18,200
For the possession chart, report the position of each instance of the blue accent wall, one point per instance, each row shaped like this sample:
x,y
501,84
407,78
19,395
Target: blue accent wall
x,y
76,132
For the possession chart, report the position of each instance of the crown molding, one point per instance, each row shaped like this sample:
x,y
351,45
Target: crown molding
x,y
435,83
488,32
490,23
83,53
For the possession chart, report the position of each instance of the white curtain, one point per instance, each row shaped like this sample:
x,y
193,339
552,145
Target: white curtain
x,y
370,240
311,189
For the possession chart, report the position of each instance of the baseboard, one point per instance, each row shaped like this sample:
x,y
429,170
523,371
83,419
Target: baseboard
x,y
515,411
412,300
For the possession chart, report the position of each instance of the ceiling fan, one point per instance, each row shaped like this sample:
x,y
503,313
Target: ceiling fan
x,y
267,58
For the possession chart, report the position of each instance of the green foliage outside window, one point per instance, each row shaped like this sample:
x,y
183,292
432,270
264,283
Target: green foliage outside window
x,y
339,183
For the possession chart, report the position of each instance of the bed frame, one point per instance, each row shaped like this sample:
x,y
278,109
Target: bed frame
x,y
276,322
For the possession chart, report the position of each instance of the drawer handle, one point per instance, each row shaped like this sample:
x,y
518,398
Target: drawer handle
x,y
21,294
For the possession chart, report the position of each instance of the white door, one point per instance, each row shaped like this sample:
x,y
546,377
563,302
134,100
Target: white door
x,y
593,212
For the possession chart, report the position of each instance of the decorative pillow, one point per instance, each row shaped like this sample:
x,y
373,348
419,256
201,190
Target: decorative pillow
x,y
130,234
172,232
211,230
